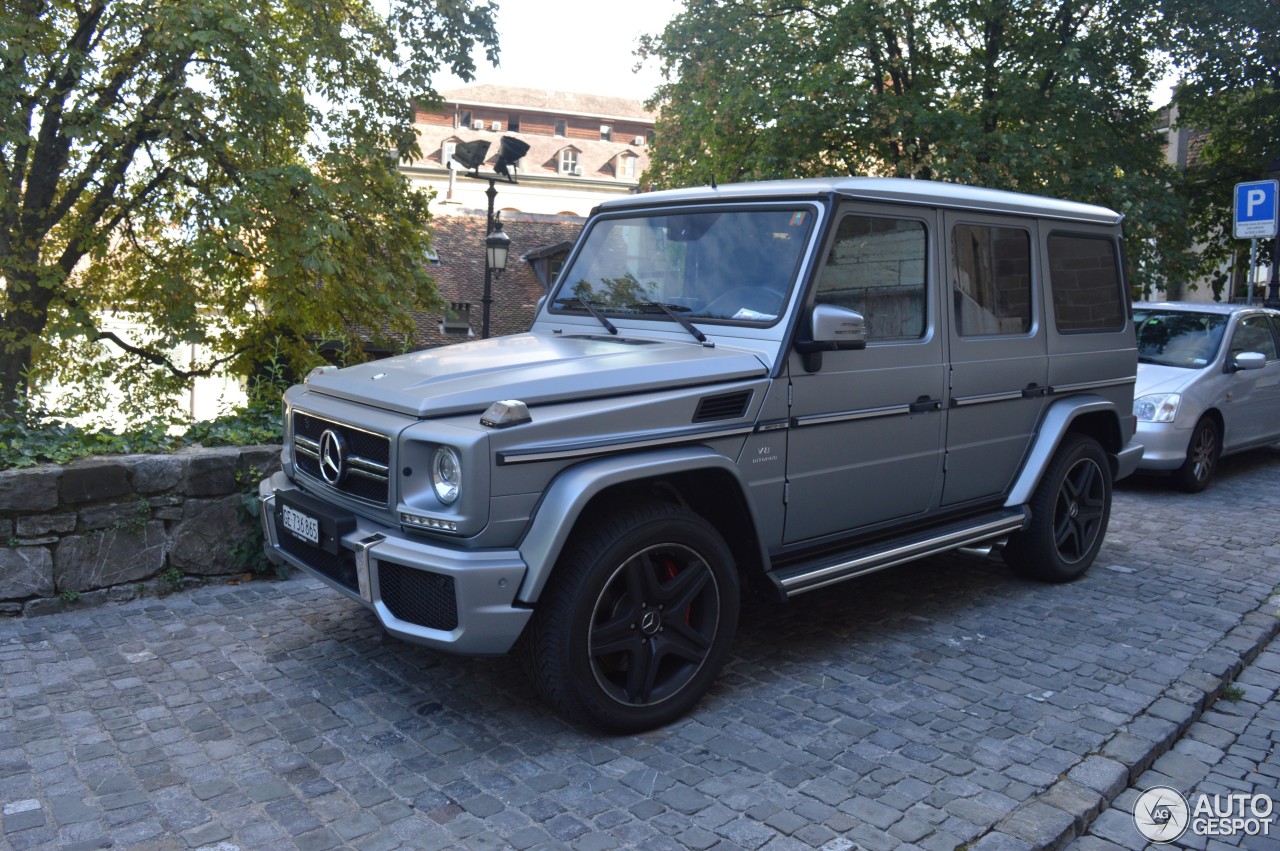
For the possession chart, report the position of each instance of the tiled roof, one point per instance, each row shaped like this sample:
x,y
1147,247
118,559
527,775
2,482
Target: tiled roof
x,y
568,103
597,159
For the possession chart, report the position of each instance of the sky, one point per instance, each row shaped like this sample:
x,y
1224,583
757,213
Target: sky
x,y
588,47
583,46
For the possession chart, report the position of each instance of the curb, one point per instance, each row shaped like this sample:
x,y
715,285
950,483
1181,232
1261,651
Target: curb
x,y
1066,809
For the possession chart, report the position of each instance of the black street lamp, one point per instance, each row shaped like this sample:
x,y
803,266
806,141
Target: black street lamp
x,y
471,156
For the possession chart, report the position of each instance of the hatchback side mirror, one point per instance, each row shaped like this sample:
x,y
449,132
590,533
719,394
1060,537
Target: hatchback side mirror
x,y
1248,360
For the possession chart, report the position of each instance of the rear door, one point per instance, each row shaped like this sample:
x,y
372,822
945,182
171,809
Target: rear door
x,y
998,352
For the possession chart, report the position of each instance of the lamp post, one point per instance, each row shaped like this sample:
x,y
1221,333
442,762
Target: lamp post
x,y
471,156
496,246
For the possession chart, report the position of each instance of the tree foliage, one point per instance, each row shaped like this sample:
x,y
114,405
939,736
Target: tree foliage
x,y
1230,97
221,172
1044,96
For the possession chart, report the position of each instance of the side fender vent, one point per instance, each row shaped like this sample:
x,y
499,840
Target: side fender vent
x,y
728,406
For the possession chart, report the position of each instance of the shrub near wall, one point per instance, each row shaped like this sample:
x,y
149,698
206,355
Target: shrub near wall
x,y
99,527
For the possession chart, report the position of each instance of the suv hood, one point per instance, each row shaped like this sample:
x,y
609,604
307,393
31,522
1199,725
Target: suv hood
x,y
536,368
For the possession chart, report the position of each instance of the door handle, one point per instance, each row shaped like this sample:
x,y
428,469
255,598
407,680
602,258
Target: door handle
x,y
924,405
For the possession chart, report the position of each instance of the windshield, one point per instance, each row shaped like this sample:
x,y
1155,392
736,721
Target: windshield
x,y
720,265
1178,338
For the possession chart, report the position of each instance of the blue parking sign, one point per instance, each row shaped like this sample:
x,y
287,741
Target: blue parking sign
x,y
1255,209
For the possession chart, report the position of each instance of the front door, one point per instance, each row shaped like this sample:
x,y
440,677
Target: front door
x,y
1255,393
866,427
998,353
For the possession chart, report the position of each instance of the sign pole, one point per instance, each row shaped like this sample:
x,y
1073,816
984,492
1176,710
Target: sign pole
x,y
1253,258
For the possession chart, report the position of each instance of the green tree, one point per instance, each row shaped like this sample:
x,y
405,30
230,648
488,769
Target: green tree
x,y
1230,57
221,171
1046,97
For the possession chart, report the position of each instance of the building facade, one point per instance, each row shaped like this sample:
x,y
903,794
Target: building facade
x,y
583,149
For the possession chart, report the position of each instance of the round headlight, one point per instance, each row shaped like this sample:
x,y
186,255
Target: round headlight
x,y
446,474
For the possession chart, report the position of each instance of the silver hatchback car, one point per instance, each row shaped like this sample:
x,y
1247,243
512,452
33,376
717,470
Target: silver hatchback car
x,y
1208,385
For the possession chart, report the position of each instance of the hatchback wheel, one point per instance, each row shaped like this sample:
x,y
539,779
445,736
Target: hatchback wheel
x,y
1203,451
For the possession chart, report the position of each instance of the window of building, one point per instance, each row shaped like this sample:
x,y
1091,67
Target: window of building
x,y
877,267
561,129
464,118
513,122
606,133
626,166
433,257
991,277
568,160
457,318
1084,277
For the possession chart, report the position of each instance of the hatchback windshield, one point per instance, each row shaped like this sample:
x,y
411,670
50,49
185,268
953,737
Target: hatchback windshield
x,y
1178,338
720,265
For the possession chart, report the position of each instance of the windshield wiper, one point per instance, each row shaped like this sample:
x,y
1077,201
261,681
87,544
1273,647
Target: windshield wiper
x,y
672,310
590,308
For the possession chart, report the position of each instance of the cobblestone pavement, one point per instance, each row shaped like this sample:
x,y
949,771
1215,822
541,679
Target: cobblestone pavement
x,y
1232,749
940,705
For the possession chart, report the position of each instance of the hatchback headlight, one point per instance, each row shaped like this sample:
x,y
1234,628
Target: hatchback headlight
x,y
446,474
1156,408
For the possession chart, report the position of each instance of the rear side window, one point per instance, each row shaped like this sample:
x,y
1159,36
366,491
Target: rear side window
x,y
992,280
1084,275
877,267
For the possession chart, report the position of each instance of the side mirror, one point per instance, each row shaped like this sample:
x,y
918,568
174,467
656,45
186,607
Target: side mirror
x,y
1248,360
832,329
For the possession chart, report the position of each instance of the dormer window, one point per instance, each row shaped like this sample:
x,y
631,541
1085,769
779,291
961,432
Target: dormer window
x,y
627,166
569,161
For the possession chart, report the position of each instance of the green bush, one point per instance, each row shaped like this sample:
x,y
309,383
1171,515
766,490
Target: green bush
x,y
36,438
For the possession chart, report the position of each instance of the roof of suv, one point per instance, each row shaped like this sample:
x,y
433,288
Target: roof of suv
x,y
893,189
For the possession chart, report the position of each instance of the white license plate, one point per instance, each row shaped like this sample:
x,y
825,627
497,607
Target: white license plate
x,y
302,526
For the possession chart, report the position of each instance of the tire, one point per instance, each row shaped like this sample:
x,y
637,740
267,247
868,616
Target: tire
x,y
637,619
1203,450
1069,513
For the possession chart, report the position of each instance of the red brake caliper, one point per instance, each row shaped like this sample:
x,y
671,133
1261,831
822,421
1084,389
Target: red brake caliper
x,y
670,567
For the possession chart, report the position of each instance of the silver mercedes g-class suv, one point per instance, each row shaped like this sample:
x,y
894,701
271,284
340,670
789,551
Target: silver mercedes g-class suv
x,y
783,384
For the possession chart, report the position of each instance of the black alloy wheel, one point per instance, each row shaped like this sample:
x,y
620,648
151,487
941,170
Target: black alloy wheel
x,y
637,618
1069,513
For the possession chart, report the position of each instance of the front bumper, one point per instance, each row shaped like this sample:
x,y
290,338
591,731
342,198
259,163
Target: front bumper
x,y
454,599
1164,445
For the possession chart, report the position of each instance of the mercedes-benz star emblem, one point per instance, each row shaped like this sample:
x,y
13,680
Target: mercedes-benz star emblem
x,y
333,457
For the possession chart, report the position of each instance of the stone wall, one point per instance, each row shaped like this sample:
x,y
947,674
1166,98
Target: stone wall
x,y
111,527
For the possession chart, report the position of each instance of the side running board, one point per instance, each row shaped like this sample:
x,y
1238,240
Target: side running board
x,y
797,578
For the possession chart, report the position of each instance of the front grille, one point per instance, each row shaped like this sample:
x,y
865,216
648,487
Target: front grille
x,y
340,567
368,457
418,596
